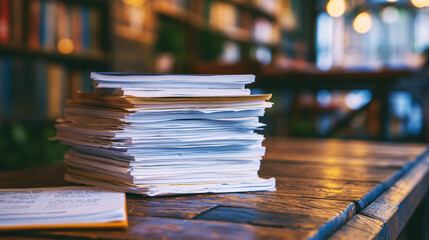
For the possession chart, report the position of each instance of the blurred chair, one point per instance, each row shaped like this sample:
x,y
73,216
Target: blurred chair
x,y
418,86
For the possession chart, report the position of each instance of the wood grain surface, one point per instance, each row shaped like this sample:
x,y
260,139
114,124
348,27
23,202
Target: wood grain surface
x,y
395,206
360,227
325,188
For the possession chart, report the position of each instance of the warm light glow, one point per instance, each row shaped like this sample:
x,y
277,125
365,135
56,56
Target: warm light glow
x,y
362,22
65,46
135,3
332,173
420,3
389,14
336,8
392,0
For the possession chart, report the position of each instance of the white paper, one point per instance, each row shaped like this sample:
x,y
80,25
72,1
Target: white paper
x,y
221,79
174,189
60,205
162,116
171,90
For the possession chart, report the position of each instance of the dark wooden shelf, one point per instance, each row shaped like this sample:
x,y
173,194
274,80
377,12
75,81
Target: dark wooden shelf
x,y
259,43
96,58
333,79
179,14
84,2
260,12
255,10
238,37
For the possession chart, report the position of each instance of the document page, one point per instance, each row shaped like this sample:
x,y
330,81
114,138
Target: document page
x,y
60,205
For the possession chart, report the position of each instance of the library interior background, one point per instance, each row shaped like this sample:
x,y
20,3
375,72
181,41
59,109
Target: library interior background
x,y
346,69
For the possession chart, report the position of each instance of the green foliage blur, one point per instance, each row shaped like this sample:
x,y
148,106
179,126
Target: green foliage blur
x,y
171,39
24,145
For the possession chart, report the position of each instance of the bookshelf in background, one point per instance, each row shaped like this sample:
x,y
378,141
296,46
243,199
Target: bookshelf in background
x,y
47,49
218,31
182,33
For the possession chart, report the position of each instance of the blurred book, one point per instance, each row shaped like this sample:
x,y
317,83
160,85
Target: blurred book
x,y
224,16
4,21
33,24
76,83
48,25
62,207
68,28
94,30
37,89
137,22
41,89
5,88
16,19
77,27
19,88
56,79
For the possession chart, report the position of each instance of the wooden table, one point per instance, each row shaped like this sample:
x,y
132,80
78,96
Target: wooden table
x,y
325,189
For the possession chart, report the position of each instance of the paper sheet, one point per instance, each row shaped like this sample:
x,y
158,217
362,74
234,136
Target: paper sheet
x,y
60,205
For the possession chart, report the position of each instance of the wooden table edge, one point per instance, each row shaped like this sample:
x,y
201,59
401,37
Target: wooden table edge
x,y
387,215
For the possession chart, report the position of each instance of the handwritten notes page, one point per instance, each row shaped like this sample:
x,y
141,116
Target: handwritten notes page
x,y
61,207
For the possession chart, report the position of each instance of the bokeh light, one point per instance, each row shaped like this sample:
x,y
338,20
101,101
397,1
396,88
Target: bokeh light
x,y
263,55
420,3
65,46
357,98
362,23
324,98
336,8
389,14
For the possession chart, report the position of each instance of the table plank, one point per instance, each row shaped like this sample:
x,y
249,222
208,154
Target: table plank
x,y
360,227
171,228
52,176
361,193
395,206
355,147
336,161
341,153
193,205
285,169
179,207
344,147
320,226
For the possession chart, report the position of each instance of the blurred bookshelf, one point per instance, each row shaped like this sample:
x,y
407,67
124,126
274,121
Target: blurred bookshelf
x,y
47,49
187,33
218,31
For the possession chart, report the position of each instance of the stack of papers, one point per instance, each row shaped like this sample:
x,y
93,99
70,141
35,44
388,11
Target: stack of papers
x,y
166,134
